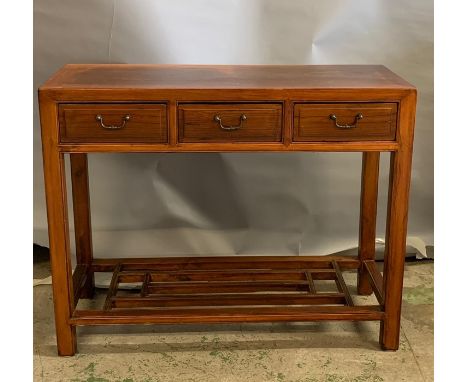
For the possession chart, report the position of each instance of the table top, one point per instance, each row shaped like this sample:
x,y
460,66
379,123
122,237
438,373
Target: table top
x,y
129,76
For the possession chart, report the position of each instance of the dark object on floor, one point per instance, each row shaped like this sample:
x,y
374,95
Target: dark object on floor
x,y
41,261
40,254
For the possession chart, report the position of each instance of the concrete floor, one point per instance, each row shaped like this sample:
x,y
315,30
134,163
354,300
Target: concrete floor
x,y
289,352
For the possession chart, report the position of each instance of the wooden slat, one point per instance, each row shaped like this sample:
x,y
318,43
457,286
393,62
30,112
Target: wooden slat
x,y
229,147
82,218
173,133
228,300
287,123
311,282
227,286
227,262
225,315
342,285
138,276
113,287
79,279
376,280
132,277
368,216
210,275
229,275
144,287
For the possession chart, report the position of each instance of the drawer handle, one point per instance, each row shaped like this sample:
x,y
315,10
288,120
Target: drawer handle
x,y
242,118
356,119
100,119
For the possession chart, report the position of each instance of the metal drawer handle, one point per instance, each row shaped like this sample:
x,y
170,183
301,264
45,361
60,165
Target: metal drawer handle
x,y
242,118
100,119
356,119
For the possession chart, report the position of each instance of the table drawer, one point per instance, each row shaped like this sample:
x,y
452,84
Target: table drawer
x,y
344,122
240,122
110,123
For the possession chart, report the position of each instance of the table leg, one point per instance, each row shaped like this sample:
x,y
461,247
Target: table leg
x,y
368,217
82,218
57,217
397,219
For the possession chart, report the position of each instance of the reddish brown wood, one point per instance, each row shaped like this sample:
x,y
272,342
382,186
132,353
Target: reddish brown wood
x,y
157,95
57,217
312,122
219,299
112,287
209,275
80,276
147,123
397,220
82,219
310,279
287,123
263,122
225,315
230,147
241,284
146,281
376,280
226,275
227,286
368,216
340,283
110,77
173,132
203,263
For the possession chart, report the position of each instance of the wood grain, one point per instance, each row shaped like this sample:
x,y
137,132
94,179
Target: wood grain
x,y
209,263
57,218
376,280
230,147
82,219
147,123
312,122
263,124
171,107
229,299
226,315
368,216
397,220
183,77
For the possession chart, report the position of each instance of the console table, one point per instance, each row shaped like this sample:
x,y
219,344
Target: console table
x,y
198,108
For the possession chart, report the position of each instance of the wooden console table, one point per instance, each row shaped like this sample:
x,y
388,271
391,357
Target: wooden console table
x,y
169,108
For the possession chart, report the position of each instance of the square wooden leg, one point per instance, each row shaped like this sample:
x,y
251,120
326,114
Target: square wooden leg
x,y
56,197
368,217
82,219
62,283
397,219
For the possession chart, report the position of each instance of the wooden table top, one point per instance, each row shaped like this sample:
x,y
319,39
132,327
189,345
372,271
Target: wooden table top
x,y
125,76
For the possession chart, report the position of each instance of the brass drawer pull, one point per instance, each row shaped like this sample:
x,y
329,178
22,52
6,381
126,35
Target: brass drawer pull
x,y
100,119
242,118
356,119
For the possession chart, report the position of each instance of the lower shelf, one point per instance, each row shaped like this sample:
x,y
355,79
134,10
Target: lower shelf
x,y
226,289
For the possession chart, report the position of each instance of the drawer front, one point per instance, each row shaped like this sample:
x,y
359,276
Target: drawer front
x,y
344,122
230,122
111,123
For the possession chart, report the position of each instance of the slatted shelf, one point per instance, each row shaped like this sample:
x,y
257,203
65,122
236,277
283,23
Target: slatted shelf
x,y
229,289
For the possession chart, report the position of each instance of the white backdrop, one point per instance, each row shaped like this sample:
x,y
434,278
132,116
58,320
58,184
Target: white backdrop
x,y
219,204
